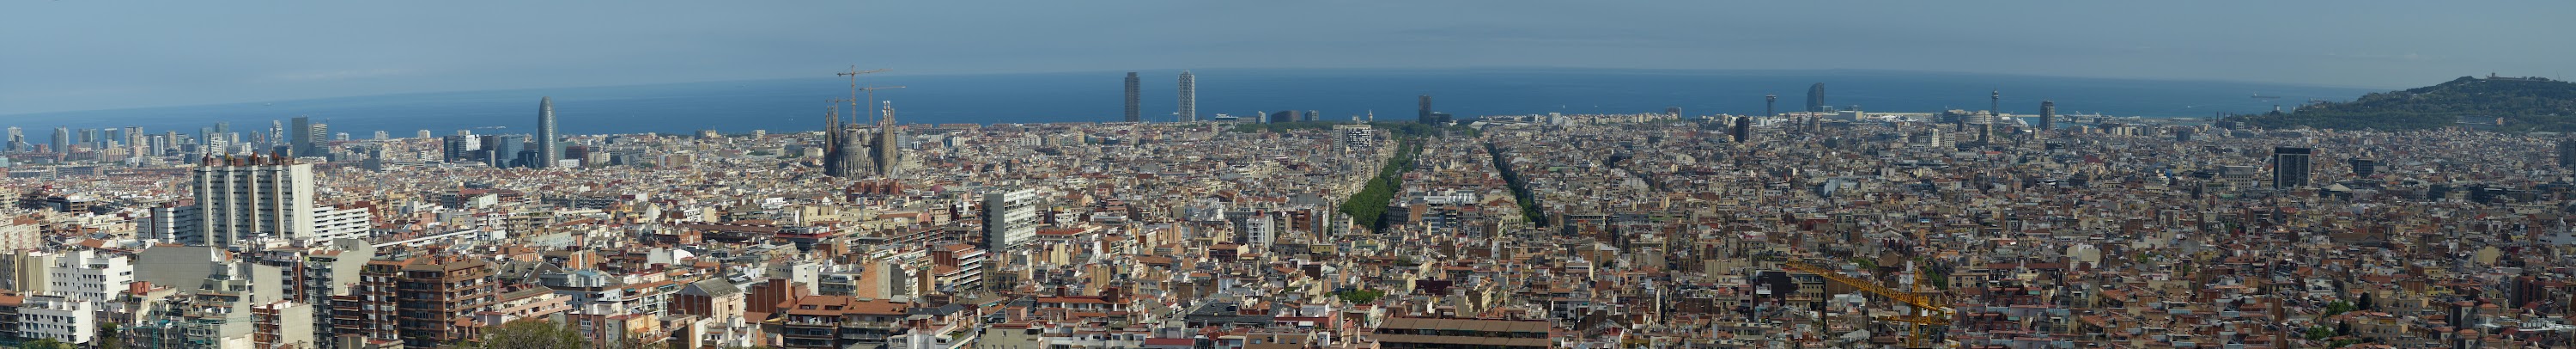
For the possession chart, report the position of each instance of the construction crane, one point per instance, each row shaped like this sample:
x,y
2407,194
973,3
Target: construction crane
x,y
854,74
1927,312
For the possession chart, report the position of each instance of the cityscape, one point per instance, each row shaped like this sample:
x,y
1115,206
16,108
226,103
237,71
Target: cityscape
x,y
2420,217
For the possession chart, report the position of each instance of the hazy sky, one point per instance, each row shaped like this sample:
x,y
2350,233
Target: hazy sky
x,y
82,55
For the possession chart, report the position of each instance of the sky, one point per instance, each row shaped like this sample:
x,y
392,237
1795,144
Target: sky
x,y
90,55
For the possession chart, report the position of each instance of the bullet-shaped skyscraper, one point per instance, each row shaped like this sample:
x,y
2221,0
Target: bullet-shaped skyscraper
x,y
1134,87
547,151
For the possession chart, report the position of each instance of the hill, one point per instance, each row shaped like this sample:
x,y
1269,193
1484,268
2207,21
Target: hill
x,y
2525,104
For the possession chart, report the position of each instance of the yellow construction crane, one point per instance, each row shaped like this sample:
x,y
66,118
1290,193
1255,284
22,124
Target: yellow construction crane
x,y
1927,310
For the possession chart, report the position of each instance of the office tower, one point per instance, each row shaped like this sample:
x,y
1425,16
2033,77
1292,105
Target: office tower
x,y
223,127
16,137
1189,97
1284,116
2047,116
244,200
1424,115
301,137
503,150
547,151
460,147
1768,101
1743,129
2567,153
884,152
1674,111
1816,98
424,134
62,140
2290,166
1134,88
1010,219
845,152
2364,167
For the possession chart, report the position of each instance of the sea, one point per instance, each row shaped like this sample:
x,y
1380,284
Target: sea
x,y
792,105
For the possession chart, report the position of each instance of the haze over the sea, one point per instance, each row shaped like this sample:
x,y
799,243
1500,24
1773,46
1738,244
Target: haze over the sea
x,y
785,105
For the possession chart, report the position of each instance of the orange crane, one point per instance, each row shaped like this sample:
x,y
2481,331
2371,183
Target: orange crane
x,y
1927,311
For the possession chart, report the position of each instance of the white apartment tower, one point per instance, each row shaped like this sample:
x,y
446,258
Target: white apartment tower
x,y
242,200
1010,218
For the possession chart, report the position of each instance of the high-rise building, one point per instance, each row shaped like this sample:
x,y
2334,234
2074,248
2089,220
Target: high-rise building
x,y
1743,129
503,150
1816,98
62,140
1189,97
2567,153
17,137
460,147
255,198
2047,116
1424,115
1010,219
547,151
2290,166
1135,87
302,137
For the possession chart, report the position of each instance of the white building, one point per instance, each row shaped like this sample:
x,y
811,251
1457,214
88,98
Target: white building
x,y
1010,218
90,276
267,199
58,318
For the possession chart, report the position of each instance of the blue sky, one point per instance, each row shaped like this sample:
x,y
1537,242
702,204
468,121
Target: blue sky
x,y
86,55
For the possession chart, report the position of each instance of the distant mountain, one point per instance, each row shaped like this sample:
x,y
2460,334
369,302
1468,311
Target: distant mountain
x,y
2524,104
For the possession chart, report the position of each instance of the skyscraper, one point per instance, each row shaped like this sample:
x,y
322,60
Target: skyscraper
x,y
320,144
16,138
547,151
503,150
1743,129
2047,116
1424,115
2567,153
1816,98
241,199
301,137
460,147
2290,166
62,140
1189,97
1134,88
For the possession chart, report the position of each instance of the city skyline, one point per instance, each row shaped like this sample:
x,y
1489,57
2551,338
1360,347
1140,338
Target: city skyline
x,y
2399,44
